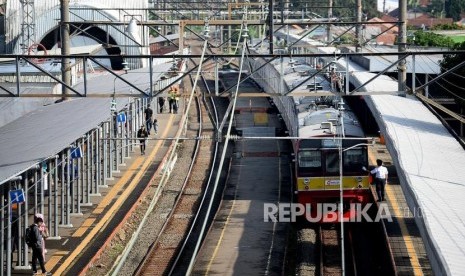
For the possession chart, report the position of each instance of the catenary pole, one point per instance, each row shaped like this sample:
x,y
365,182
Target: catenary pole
x,y
65,48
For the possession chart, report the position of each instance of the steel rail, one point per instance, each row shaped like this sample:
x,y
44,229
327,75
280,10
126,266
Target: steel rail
x,y
223,157
213,170
352,250
323,259
141,268
164,179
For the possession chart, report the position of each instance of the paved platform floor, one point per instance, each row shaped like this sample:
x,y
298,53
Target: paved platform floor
x,y
403,234
241,241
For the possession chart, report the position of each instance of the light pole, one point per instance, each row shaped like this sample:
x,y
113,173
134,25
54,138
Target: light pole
x,y
114,120
341,186
341,189
113,101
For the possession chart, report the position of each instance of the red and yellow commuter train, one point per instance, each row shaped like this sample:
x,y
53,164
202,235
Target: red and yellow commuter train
x,y
317,164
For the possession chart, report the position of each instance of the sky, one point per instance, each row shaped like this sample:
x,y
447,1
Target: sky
x,y
390,5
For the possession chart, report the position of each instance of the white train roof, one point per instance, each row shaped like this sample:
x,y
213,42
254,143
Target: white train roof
x,y
315,123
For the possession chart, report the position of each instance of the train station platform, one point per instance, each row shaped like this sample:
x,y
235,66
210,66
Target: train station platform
x,y
403,235
91,230
95,139
429,162
240,241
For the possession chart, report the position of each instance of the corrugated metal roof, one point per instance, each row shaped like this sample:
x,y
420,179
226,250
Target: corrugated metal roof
x,y
13,108
424,64
161,38
46,131
49,129
380,84
88,49
76,50
139,77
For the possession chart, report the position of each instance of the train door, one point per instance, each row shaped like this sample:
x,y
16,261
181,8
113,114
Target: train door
x,y
331,169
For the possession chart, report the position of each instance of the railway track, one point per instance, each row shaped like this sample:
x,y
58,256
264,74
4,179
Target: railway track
x,y
161,252
211,199
370,253
163,217
366,250
330,250
166,251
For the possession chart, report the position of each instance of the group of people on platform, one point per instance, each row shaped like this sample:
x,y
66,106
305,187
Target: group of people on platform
x,y
173,101
150,122
144,131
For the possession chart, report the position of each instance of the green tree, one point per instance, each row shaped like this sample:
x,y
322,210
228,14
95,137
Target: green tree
x,y
430,39
454,81
448,27
437,8
443,8
454,8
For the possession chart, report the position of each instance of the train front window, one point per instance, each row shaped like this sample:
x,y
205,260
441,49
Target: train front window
x,y
309,160
354,160
332,162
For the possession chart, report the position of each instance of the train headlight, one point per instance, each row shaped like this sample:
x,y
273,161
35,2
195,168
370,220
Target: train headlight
x,y
306,181
359,181
306,187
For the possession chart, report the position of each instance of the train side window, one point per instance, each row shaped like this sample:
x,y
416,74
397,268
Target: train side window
x,y
309,159
354,160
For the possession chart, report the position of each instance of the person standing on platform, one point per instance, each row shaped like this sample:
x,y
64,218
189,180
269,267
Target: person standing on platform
x,y
43,232
37,247
381,176
148,118
161,103
142,134
171,102
176,103
155,126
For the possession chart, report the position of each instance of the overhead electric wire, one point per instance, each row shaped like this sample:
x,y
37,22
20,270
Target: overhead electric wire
x,y
164,178
448,91
444,79
223,157
432,102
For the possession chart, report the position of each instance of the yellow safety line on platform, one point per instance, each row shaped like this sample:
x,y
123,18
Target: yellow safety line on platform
x,y
405,233
218,244
84,227
115,206
403,227
117,187
52,262
273,236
